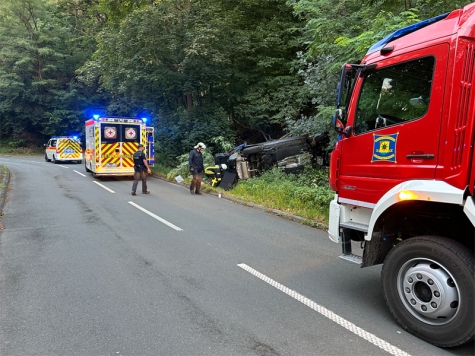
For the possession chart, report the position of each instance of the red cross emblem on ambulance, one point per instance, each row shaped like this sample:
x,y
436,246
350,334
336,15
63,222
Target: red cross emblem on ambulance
x,y
130,133
110,132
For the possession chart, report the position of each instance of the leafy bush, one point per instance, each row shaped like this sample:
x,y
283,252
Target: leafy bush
x,y
17,143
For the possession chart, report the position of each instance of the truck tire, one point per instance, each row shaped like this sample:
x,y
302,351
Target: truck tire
x,y
85,166
54,160
429,287
46,158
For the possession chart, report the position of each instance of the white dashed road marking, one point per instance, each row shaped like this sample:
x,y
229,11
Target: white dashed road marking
x,y
156,217
393,350
62,166
79,173
103,186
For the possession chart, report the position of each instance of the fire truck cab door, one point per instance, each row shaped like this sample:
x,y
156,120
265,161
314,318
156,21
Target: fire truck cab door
x,y
396,125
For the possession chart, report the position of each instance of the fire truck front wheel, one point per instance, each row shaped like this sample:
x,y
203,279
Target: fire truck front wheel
x,y
429,287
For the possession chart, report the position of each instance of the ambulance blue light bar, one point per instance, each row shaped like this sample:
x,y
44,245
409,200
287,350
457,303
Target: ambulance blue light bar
x,y
70,137
144,119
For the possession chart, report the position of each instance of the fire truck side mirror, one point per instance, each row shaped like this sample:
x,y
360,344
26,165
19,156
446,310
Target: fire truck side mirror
x,y
338,120
347,131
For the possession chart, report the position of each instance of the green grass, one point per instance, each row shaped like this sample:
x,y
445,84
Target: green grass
x,y
306,195
21,151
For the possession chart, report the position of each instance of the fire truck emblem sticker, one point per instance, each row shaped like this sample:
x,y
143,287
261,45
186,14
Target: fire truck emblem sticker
x,y
384,148
130,133
110,132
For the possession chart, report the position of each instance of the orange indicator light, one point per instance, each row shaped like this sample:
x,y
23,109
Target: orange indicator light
x,y
407,195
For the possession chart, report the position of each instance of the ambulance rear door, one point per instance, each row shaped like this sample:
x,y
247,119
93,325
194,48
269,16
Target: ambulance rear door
x,y
69,149
150,147
119,141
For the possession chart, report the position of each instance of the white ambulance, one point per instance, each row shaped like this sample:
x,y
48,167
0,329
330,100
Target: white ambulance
x,y
64,149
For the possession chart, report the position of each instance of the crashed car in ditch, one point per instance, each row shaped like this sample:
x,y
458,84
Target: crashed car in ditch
x,y
291,153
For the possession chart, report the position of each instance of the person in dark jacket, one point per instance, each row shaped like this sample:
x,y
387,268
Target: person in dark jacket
x,y
195,161
141,169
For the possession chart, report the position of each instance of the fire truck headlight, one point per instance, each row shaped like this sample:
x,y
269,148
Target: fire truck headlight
x,y
407,195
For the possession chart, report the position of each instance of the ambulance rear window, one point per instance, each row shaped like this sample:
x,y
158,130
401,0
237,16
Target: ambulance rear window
x,y
110,133
131,133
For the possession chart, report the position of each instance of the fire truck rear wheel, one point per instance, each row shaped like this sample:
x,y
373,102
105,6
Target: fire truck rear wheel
x,y
429,287
46,158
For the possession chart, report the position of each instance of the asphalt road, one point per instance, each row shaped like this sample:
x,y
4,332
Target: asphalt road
x,y
87,269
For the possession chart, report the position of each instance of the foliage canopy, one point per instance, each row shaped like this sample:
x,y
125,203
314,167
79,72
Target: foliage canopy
x,y
217,71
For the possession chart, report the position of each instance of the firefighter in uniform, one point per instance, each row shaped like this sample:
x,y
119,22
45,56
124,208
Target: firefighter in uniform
x,y
195,160
141,169
215,173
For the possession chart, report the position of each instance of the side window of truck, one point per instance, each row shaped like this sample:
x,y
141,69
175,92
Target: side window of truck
x,y
394,95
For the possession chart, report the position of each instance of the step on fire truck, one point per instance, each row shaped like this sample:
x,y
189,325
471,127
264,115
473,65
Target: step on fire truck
x,y
111,143
403,171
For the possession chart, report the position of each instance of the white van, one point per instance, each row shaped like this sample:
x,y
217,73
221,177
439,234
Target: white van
x,y
63,148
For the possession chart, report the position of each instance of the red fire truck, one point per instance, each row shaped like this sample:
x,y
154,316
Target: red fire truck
x,y
403,172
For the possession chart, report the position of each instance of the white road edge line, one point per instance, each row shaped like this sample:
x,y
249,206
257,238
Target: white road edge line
x,y
62,166
393,350
103,186
155,216
79,173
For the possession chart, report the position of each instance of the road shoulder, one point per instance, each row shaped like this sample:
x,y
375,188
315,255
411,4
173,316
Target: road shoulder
x,y
283,214
4,180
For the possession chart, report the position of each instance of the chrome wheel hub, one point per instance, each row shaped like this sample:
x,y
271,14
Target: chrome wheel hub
x,y
428,291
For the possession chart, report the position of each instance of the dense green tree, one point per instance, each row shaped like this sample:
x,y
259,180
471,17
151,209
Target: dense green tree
x,y
208,70
39,95
204,68
339,32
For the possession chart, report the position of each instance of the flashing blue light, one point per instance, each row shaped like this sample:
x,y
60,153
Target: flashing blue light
x,y
75,137
404,31
95,116
144,119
